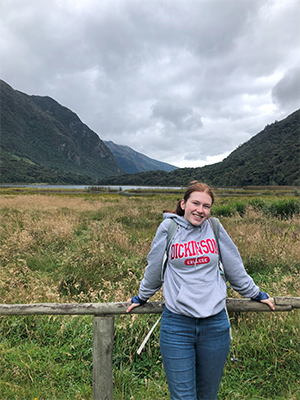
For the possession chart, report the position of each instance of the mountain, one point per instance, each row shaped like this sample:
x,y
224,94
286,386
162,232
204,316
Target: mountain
x,y
272,157
39,136
42,141
131,161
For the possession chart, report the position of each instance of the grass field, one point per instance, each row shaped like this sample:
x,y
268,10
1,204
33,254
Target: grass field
x,y
93,248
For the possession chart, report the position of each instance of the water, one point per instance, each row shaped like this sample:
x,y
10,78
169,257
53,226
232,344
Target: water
x,y
85,187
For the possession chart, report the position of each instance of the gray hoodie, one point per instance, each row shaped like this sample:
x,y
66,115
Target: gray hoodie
x,y
193,285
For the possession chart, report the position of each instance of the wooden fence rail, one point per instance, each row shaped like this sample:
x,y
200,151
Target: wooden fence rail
x,y
104,327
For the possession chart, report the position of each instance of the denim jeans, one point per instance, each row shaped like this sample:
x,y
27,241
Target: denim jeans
x,y
194,352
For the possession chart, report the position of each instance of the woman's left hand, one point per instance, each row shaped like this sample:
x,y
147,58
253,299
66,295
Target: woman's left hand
x,y
263,297
269,303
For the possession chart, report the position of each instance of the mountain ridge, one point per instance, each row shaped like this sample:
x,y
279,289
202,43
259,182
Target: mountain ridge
x,y
271,157
132,161
43,141
51,136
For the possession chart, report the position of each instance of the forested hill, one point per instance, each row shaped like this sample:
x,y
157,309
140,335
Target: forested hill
x,y
42,141
272,157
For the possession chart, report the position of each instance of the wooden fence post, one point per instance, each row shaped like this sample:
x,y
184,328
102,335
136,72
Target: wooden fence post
x,y
103,357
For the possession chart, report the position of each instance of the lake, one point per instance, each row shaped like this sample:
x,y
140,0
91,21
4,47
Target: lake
x,y
86,187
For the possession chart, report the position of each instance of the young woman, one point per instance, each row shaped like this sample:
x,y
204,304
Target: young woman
x,y
194,334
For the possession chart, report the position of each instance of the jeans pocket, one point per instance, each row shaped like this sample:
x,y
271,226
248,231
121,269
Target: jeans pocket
x,y
219,322
166,313
221,316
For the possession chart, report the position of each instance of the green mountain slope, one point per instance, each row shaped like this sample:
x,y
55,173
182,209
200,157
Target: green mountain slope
x,y
272,157
41,132
131,161
14,169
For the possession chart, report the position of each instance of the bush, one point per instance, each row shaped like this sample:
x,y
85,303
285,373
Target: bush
x,y
283,209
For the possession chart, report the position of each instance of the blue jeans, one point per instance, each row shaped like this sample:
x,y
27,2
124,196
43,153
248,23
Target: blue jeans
x,y
194,352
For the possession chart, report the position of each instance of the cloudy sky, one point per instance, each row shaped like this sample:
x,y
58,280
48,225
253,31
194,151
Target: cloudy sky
x,y
181,81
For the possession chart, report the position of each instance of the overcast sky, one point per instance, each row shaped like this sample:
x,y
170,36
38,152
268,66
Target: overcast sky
x,y
181,81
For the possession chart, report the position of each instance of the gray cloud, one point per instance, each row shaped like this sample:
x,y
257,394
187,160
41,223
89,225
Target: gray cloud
x,y
286,92
182,81
180,117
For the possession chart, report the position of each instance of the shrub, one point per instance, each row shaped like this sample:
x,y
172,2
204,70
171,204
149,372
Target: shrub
x,y
283,209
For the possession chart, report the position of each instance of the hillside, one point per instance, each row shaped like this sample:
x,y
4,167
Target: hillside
x,y
14,169
272,157
132,162
48,137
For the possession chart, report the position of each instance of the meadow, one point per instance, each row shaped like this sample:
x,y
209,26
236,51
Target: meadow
x,y
89,247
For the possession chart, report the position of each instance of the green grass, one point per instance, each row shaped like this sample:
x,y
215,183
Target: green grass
x,y
267,347
51,358
48,358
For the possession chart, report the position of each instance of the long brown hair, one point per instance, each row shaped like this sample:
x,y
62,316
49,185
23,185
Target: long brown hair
x,y
194,186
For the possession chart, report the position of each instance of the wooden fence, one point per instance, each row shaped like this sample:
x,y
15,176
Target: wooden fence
x,y
103,338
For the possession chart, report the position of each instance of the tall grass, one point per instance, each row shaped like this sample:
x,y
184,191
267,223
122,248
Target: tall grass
x,y
93,248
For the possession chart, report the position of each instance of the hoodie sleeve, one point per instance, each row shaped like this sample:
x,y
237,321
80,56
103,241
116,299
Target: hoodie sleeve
x,y
151,281
234,268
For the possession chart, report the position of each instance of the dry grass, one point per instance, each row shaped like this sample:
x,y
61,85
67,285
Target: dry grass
x,y
50,203
103,241
254,233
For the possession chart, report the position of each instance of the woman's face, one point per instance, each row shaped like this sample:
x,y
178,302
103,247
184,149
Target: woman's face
x,y
197,207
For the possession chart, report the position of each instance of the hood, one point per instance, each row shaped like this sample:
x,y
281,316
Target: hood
x,y
181,221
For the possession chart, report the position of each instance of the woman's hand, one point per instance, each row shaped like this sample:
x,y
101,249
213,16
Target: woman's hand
x,y
263,297
135,301
132,305
269,303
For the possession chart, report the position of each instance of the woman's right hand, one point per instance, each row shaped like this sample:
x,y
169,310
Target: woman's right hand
x,y
132,305
135,301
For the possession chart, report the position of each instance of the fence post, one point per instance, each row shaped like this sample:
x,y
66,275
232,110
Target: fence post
x,y
103,357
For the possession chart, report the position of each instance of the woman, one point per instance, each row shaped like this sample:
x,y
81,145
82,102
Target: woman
x,y
194,335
